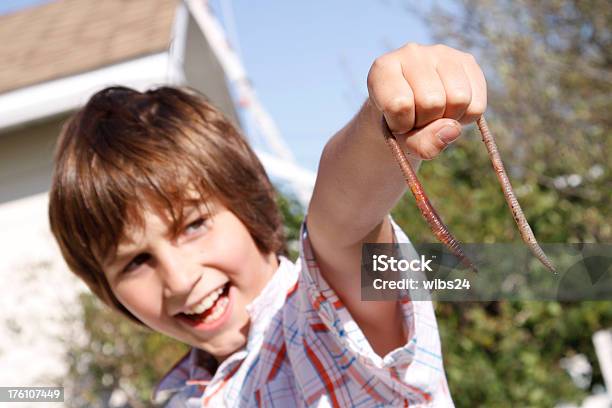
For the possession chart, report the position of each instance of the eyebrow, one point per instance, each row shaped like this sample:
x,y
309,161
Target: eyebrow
x,y
116,260
191,207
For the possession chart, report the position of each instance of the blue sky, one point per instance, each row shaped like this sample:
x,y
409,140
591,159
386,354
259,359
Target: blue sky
x,y
8,6
309,60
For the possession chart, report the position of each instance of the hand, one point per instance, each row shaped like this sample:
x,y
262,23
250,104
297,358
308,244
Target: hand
x,y
426,93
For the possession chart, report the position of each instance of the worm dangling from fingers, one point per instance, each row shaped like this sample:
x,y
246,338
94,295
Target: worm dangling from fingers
x,y
436,225
515,208
439,229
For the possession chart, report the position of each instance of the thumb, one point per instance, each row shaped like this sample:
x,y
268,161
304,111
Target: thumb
x,y
427,142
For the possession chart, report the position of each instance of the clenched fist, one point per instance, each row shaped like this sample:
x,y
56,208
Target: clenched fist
x,y
426,93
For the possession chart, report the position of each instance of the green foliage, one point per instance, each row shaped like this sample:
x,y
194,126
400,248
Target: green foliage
x,y
293,214
507,353
117,354
548,71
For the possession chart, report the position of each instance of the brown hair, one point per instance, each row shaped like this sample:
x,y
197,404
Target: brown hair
x,y
125,150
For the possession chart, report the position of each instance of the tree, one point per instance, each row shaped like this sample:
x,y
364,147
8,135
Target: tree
x,y
548,71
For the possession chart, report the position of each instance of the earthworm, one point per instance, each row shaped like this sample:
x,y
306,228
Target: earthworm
x,y
515,208
439,229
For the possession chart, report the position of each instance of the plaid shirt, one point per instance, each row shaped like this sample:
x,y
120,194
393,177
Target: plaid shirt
x,y
305,350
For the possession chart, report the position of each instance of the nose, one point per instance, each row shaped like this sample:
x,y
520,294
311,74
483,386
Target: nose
x,y
177,273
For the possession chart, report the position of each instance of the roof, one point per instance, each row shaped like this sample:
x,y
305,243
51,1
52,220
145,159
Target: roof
x,y
68,37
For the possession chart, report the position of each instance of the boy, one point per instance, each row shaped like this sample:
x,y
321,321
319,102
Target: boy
x,y
163,210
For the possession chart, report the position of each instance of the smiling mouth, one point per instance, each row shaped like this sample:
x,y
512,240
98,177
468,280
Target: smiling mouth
x,y
214,311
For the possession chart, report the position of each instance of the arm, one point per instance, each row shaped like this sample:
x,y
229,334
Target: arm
x,y
425,94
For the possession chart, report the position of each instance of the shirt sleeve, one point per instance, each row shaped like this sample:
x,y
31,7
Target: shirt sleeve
x,y
411,374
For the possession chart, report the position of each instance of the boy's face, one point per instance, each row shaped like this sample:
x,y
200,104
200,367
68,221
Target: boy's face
x,y
195,287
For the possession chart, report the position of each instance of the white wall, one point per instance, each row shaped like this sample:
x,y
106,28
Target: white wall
x,y
38,296
26,156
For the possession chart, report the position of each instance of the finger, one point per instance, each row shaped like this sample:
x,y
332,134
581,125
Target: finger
x,y
391,94
429,141
456,86
478,83
429,95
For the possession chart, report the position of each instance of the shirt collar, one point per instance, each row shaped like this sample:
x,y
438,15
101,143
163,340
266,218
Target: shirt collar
x,y
271,298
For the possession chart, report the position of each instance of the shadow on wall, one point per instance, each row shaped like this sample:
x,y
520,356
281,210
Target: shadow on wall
x,y
26,159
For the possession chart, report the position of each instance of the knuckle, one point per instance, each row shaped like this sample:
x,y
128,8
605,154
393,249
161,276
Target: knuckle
x,y
380,63
411,47
399,105
428,153
458,97
469,58
476,109
370,80
374,74
379,66
432,101
441,47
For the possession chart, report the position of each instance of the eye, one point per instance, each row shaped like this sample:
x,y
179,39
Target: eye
x,y
136,262
196,226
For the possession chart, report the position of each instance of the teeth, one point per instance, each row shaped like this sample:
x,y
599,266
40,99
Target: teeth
x,y
218,310
206,303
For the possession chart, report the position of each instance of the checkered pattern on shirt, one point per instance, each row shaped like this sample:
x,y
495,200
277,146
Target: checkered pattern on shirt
x,y
305,350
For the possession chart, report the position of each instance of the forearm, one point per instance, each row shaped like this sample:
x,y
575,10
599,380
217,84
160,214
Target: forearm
x,y
425,92
358,181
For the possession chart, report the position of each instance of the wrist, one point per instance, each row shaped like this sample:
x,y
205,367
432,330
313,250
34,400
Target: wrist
x,y
370,115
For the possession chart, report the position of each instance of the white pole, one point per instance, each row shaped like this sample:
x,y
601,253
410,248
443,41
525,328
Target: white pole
x,y
237,76
603,347
281,163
